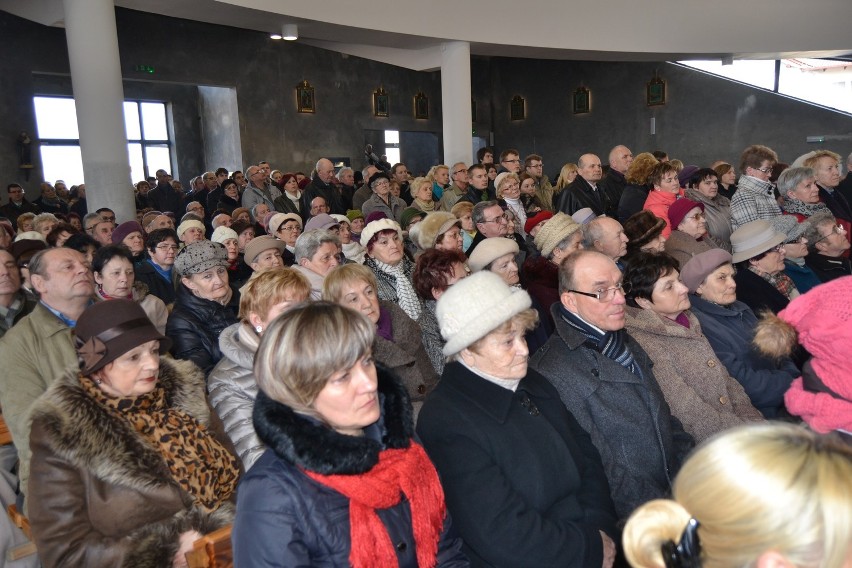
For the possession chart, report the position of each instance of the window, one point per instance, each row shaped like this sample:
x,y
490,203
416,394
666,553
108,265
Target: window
x,y
392,150
146,126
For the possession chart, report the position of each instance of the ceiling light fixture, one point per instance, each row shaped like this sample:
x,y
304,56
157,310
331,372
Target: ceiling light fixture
x,y
290,32
275,36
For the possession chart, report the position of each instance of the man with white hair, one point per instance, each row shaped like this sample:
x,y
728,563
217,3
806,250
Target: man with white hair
x,y
323,186
365,192
221,220
257,191
606,235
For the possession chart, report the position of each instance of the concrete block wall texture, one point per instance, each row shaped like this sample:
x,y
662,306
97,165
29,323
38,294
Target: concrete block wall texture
x,y
706,118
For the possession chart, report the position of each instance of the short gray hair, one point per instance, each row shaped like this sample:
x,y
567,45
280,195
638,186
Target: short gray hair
x,y
812,233
42,217
343,171
792,177
309,242
90,217
593,231
478,214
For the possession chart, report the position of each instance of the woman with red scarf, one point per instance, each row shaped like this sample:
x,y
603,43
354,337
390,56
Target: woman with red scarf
x,y
342,482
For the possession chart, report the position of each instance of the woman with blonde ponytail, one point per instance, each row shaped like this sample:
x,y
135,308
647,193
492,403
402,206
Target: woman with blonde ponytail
x,y
762,495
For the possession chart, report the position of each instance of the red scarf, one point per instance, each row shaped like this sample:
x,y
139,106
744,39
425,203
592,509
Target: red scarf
x,y
407,471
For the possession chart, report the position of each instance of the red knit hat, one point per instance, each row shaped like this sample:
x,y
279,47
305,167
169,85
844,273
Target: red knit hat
x,y
680,208
535,220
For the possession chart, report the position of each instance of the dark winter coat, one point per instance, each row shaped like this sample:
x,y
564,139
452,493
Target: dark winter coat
x,y
523,482
195,324
758,294
99,494
827,268
641,444
285,518
579,194
730,331
226,204
632,200
157,285
405,355
542,283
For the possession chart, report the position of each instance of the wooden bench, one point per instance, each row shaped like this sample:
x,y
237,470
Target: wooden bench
x,y
20,521
212,550
5,435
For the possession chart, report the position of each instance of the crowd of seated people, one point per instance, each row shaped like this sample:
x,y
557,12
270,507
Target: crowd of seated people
x,y
470,366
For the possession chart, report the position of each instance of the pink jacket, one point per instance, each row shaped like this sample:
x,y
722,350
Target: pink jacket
x,y
658,203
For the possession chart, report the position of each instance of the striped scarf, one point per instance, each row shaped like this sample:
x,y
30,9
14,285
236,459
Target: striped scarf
x,y
610,344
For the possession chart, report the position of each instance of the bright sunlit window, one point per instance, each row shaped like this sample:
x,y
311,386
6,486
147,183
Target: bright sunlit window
x,y
146,126
392,150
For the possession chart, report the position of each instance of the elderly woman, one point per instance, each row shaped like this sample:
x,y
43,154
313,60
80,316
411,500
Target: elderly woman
x,y
238,271
290,199
523,481
343,482
729,326
264,252
232,386
191,231
25,222
665,191
131,235
129,466
393,270
637,189
463,210
697,387
703,187
795,252
316,256
421,192
382,200
759,495
820,321
727,175
556,239
689,229
399,342
440,230
44,223
645,233
435,272
508,186
286,227
230,198
759,257
115,279
801,193
206,304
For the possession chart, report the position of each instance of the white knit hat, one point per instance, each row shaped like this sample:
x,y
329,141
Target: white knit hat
x,y
475,306
222,234
377,226
182,228
489,250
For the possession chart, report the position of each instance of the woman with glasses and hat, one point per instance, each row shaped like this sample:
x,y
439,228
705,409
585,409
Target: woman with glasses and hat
x,y
759,495
523,482
206,304
729,326
129,465
689,230
759,257
382,200
394,271
699,390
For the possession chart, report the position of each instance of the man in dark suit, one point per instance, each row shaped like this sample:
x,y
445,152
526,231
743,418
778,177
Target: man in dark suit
x,y
587,191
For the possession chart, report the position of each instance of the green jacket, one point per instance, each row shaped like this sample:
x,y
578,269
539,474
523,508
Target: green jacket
x,y
34,353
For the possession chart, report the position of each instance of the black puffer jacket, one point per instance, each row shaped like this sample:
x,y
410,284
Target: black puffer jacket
x,y
156,284
195,324
285,518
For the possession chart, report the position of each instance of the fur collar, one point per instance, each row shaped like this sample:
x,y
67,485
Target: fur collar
x,y
310,445
84,434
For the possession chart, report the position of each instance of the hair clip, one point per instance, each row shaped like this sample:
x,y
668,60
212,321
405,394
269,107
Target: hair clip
x,y
687,552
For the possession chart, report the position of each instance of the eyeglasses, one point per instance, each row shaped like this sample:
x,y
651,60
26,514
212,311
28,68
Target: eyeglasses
x,y
515,161
766,170
604,295
500,219
697,216
835,230
777,248
535,165
290,229
109,219
171,248
458,171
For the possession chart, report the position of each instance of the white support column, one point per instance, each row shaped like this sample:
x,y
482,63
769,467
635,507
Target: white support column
x,y
98,93
455,102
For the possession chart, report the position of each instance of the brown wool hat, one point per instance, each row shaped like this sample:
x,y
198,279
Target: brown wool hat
x,y
107,330
699,267
259,244
643,227
434,225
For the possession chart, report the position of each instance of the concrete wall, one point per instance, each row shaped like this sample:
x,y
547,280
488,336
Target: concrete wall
x,y
705,118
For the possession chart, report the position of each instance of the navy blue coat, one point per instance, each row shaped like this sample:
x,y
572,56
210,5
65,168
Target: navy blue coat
x,y
730,331
286,519
522,479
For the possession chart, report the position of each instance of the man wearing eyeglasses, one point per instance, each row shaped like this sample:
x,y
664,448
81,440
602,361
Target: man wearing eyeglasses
x,y
755,196
604,378
534,166
457,189
489,220
510,161
18,204
827,243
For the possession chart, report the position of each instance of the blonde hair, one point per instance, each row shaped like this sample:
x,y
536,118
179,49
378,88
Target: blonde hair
x,y
339,277
562,181
23,218
461,209
811,161
434,170
305,347
753,489
272,286
415,185
508,176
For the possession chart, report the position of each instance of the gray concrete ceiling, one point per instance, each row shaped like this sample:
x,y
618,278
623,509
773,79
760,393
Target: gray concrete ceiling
x,y
409,32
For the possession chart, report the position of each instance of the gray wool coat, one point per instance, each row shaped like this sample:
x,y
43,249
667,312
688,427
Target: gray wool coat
x,y
641,444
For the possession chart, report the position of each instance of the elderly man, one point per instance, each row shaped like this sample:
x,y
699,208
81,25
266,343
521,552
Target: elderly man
x,y
534,166
257,191
49,202
318,206
604,378
587,191
211,184
164,197
510,161
826,166
99,228
382,200
14,303
489,220
323,186
160,222
827,243
40,348
457,190
17,205
606,235
364,192
221,220
620,159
